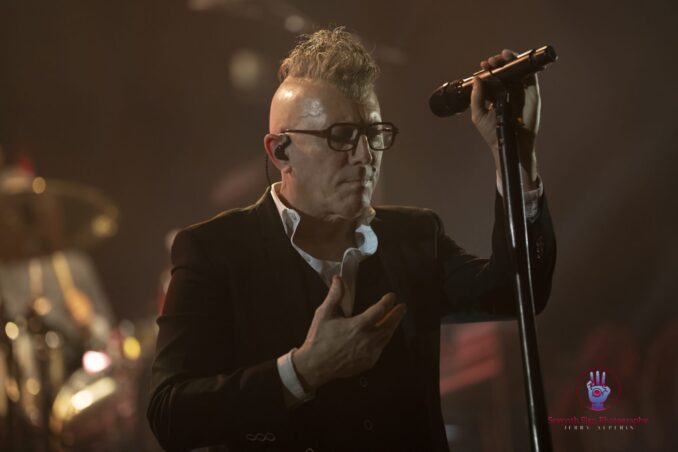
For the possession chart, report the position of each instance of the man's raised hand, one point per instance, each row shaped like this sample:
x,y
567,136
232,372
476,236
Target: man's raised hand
x,y
484,118
337,346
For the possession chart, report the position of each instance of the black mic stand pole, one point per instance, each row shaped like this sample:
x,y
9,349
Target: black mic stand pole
x,y
516,234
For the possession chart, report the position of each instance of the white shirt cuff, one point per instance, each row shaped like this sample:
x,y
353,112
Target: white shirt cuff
x,y
530,197
289,377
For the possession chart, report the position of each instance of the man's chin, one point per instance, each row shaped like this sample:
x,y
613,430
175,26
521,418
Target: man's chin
x,y
350,211
358,212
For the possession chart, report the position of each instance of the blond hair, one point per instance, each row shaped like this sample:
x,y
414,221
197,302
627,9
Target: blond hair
x,y
334,56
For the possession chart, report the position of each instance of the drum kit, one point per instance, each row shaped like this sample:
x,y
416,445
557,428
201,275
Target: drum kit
x,y
69,377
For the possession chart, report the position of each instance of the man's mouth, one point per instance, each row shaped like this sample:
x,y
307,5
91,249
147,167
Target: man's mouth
x,y
361,181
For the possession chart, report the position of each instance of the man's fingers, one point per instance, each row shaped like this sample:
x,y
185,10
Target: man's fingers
x,y
495,61
498,60
508,54
387,326
377,311
392,317
334,296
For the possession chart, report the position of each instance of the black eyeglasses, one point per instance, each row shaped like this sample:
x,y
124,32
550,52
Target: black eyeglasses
x,y
344,136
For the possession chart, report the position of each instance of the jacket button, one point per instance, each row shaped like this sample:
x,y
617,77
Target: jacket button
x,y
363,382
368,425
251,437
260,437
309,449
270,436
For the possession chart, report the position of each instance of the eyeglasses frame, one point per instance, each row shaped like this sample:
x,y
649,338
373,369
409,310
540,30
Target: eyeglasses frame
x,y
362,129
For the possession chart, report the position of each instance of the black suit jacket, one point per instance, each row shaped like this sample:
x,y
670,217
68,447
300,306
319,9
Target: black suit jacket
x,y
236,302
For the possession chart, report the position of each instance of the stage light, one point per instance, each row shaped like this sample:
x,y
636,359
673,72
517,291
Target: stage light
x,y
294,23
52,339
103,226
33,386
245,69
11,330
131,348
39,185
42,306
81,400
94,362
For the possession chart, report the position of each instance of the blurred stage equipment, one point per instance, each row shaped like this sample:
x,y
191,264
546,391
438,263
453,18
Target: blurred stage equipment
x,y
68,380
452,98
97,407
39,217
506,92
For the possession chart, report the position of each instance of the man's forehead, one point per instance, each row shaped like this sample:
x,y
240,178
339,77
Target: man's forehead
x,y
313,95
309,98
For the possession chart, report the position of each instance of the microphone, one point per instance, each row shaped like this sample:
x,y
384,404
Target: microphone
x,y
454,97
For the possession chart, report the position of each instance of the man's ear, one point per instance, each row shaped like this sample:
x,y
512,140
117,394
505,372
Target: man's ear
x,y
279,150
275,145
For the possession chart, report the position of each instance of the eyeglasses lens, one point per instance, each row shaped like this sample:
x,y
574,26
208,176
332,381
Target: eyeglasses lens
x,y
380,136
344,137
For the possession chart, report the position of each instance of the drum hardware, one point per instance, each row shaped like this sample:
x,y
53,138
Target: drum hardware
x,y
45,405
41,216
77,303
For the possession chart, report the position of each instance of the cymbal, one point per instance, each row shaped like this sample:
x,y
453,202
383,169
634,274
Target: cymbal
x,y
41,216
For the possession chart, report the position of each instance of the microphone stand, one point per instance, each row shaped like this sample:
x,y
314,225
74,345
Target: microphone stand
x,y
505,106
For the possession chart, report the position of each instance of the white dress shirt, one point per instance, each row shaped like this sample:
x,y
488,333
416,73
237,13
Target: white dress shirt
x,y
367,243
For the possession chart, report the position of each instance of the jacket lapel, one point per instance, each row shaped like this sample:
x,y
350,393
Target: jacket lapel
x,y
392,260
290,304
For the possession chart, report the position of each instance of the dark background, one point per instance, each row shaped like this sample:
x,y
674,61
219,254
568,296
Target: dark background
x,y
137,99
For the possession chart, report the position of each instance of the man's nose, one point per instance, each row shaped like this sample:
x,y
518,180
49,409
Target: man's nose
x,y
362,152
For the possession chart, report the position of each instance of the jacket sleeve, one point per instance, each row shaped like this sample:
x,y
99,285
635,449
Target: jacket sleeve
x,y
198,397
478,289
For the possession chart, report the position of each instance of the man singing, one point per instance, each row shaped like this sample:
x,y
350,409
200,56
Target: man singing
x,y
310,321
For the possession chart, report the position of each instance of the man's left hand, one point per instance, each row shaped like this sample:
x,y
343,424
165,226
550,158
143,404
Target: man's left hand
x,y
483,116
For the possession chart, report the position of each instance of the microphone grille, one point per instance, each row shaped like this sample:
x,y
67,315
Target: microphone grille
x,y
450,99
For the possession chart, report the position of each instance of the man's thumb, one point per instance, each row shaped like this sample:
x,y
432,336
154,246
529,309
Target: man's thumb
x,y
478,109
